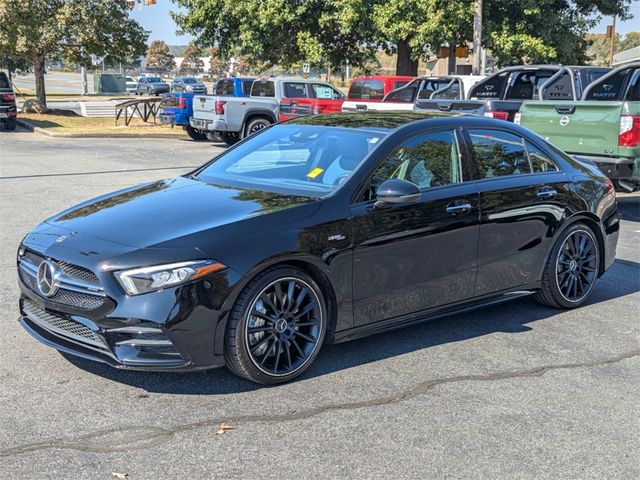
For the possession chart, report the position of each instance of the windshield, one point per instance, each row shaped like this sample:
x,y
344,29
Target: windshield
x,y
153,80
189,80
293,159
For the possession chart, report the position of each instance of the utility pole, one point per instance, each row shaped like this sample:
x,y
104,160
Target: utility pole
x,y
613,41
477,37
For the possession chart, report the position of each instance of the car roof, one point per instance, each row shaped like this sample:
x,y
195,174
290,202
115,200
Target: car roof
x,y
388,120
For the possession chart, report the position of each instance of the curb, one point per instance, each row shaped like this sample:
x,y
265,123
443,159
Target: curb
x,y
44,131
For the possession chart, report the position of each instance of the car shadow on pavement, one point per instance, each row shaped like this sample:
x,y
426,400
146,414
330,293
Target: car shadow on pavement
x,y
622,279
629,207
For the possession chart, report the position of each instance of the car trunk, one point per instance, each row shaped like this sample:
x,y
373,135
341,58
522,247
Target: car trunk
x,y
590,127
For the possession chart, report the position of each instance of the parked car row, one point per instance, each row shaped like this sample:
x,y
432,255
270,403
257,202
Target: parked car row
x,y
592,112
8,109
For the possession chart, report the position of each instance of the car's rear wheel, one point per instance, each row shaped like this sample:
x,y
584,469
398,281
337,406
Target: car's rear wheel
x,y
277,326
230,138
572,268
196,135
255,125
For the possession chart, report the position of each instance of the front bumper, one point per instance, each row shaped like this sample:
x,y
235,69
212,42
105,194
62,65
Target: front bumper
x,y
138,347
179,328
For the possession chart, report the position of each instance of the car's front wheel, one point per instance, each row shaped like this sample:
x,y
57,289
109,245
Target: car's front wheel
x,y
10,124
277,326
572,268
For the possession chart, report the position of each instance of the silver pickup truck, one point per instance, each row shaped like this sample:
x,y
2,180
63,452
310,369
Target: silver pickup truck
x,y
234,118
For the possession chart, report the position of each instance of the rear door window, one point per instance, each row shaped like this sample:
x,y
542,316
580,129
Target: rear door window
x,y
399,83
263,88
295,90
498,153
325,92
540,161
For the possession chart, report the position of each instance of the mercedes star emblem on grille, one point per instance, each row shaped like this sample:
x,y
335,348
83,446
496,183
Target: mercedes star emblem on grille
x,y
46,278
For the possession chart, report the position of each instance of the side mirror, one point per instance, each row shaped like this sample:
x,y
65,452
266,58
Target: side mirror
x,y
396,192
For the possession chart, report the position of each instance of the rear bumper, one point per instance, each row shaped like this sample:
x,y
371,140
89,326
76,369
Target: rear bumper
x,y
616,168
208,125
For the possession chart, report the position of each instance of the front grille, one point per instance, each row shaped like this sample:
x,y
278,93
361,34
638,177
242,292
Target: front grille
x,y
71,270
62,326
80,273
78,288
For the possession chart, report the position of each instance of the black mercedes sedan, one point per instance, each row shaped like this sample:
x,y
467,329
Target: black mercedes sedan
x,y
318,230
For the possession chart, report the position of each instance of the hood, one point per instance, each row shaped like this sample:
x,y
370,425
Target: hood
x,y
179,213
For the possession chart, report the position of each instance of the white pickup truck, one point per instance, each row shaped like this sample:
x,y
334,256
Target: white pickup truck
x,y
452,87
234,118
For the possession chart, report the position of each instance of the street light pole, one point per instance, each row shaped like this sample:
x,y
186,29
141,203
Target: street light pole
x,y
613,41
477,37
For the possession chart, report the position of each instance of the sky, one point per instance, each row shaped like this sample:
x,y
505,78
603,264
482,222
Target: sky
x,y
156,19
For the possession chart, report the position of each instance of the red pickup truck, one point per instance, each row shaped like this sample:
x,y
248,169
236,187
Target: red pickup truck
x,y
308,97
373,88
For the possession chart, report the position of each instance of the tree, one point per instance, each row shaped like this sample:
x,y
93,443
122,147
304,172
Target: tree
x,y
540,31
631,40
599,49
322,32
191,61
217,65
158,57
44,29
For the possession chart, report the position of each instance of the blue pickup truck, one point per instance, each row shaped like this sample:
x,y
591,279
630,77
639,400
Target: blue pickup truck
x,y
177,108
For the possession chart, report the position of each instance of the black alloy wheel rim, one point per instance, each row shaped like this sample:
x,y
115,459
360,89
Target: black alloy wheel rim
x,y
284,326
257,127
577,266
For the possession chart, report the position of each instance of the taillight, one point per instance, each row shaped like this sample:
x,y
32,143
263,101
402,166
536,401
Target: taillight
x,y
8,97
182,102
609,186
219,108
629,131
498,115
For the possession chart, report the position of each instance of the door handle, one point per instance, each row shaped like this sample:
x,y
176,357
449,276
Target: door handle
x,y
456,208
547,193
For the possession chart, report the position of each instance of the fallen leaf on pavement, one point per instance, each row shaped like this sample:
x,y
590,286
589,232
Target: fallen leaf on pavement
x,y
122,476
223,428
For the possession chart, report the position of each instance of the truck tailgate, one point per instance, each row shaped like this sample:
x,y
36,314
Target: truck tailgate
x,y
588,127
204,107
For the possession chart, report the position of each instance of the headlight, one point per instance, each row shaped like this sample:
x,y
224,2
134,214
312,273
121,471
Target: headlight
x,y
148,279
189,88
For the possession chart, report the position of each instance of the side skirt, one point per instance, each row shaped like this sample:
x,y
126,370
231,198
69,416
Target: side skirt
x,y
419,317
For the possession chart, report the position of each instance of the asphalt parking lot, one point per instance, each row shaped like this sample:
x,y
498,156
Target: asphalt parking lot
x,y
515,391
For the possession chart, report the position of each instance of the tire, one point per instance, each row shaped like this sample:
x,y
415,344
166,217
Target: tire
x,y
255,125
572,269
287,312
196,135
230,138
10,124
